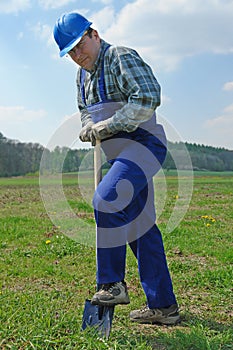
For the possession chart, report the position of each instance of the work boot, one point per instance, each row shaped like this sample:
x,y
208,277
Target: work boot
x,y
167,316
111,294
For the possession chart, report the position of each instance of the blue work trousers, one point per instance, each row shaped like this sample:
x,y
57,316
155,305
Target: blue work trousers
x,y
120,220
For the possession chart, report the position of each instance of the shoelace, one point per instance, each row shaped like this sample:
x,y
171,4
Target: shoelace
x,y
111,287
108,286
144,309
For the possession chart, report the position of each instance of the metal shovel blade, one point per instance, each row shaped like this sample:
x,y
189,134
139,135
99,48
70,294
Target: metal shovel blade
x,y
99,317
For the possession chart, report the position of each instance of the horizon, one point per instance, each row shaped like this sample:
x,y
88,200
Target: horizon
x,y
191,57
87,148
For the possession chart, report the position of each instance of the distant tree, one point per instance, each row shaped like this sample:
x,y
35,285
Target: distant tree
x,y
17,158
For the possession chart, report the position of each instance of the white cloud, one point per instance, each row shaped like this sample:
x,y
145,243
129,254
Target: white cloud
x,y
52,4
228,86
229,109
105,2
103,19
43,32
220,128
167,31
222,121
14,6
18,114
165,99
20,35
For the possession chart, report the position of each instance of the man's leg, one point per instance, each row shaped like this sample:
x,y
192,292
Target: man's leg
x,y
114,216
155,278
153,270
118,210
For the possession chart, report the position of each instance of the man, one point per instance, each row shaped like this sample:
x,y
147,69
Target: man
x,y
117,98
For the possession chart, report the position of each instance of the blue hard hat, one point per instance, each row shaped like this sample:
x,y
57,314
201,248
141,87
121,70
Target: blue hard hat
x,y
68,31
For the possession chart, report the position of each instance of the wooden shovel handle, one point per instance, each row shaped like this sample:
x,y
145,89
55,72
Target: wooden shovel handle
x,y
97,163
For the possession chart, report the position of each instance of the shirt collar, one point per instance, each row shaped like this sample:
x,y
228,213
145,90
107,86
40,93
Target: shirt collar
x,y
103,45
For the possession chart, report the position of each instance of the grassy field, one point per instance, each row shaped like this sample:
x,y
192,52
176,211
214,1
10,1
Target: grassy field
x,y
45,277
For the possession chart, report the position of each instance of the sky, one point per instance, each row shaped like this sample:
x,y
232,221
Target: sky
x,y
188,44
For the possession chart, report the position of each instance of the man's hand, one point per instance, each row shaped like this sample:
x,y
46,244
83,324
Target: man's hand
x,y
100,131
86,132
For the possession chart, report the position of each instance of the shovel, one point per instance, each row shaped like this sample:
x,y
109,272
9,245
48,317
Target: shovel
x,y
99,317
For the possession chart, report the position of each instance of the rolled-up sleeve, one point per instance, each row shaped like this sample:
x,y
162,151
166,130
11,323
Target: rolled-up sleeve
x,y
137,82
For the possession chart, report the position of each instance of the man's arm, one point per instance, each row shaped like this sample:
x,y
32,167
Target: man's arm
x,y
137,82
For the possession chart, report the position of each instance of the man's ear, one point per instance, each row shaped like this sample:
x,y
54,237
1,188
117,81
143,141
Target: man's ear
x,y
96,35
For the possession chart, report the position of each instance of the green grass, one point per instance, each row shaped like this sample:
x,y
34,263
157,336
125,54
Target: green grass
x,y
45,277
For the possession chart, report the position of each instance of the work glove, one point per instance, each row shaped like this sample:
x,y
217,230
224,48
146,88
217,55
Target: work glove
x,y
100,131
86,132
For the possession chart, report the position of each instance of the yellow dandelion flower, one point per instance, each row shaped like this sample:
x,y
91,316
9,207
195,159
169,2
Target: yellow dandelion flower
x,y
48,241
208,225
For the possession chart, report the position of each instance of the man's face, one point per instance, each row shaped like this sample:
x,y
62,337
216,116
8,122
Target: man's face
x,y
86,51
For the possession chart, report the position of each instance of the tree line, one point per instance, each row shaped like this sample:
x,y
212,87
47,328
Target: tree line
x,y
17,158
205,158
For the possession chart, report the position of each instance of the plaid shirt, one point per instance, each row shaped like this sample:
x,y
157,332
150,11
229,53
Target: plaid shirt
x,y
128,79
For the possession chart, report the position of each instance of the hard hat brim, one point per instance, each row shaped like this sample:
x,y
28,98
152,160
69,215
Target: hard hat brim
x,y
74,42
